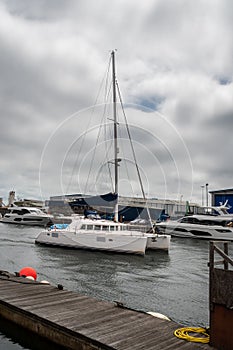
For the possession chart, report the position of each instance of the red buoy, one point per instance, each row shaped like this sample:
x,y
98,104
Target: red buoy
x,y
28,271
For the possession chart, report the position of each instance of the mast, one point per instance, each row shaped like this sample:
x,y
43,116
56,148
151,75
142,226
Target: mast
x,y
115,135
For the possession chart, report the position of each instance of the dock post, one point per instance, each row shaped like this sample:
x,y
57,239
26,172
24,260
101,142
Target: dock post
x,y
221,298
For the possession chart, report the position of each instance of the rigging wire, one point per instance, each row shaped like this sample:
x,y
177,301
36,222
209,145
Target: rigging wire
x,y
101,123
131,144
124,157
87,129
134,155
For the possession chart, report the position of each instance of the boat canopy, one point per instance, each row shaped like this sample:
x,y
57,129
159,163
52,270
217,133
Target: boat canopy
x,y
105,200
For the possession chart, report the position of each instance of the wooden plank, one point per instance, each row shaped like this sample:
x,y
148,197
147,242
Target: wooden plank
x,y
112,323
34,295
68,303
106,322
85,315
80,322
33,300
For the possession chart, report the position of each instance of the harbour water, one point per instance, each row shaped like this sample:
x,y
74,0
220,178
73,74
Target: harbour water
x,y
174,284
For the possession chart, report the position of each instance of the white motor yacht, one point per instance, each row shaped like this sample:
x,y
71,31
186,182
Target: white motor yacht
x,y
220,210
199,226
27,216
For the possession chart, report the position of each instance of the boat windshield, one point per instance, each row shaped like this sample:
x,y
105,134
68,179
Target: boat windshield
x,y
20,211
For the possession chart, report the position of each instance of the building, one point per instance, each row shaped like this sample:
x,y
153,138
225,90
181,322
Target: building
x,y
221,196
130,208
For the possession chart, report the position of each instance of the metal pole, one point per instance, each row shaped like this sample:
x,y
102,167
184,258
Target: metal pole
x,y
206,186
202,195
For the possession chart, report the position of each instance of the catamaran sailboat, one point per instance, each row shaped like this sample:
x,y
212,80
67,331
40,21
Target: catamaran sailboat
x,y
113,236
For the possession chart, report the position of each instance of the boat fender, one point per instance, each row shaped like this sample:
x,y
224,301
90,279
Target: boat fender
x,y
28,271
158,315
30,278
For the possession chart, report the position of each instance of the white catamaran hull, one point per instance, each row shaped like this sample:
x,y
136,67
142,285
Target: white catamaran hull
x,y
160,242
103,241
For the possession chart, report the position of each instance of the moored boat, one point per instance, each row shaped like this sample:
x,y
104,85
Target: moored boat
x,y
27,216
199,226
103,234
95,235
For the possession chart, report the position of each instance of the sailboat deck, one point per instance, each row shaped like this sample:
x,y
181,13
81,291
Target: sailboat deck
x,y
80,322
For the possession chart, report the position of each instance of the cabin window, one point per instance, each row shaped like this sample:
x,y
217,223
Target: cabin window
x,y
83,227
32,219
190,220
112,228
184,220
89,227
97,227
105,228
19,212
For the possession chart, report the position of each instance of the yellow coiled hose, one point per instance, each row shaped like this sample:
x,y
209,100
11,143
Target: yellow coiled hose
x,y
183,333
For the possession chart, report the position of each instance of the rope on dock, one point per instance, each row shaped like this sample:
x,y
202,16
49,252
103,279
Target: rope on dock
x,y
183,333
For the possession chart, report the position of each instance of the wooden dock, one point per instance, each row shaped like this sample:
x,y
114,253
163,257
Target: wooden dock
x,y
80,322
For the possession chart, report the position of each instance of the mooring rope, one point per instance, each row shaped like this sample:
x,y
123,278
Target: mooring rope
x,y
183,333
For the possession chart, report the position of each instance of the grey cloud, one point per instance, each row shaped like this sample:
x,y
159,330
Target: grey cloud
x,y
173,57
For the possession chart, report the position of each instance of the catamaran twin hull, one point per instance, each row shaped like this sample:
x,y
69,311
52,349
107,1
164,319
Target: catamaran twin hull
x,y
158,242
89,241
113,243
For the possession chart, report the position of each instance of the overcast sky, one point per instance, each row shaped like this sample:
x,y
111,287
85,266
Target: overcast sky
x,y
174,68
